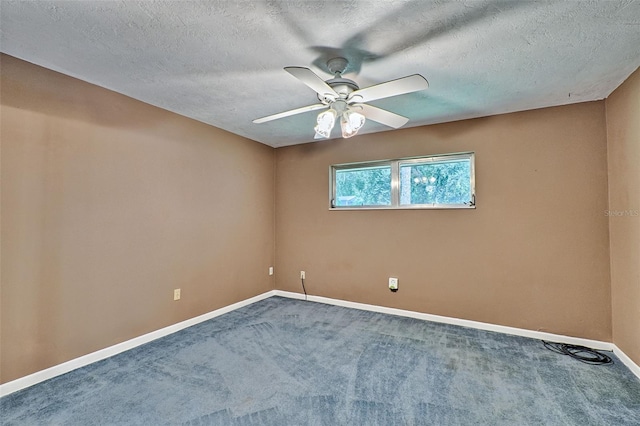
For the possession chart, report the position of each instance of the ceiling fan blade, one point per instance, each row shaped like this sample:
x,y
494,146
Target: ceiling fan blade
x,y
312,80
383,116
411,83
300,110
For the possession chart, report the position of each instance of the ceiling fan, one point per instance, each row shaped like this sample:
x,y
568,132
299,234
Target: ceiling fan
x,y
343,99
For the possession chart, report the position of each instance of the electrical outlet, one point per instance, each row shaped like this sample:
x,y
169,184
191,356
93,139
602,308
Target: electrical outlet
x,y
302,275
393,284
176,294
270,270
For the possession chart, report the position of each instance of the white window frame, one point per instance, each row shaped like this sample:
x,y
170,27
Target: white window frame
x,y
395,181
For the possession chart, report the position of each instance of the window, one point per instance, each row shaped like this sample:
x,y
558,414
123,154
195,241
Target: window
x,y
363,186
440,181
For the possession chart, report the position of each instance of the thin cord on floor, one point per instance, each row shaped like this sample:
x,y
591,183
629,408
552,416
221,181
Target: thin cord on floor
x,y
304,289
581,353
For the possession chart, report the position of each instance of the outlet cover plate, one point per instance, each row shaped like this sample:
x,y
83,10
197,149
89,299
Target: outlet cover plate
x,y
393,284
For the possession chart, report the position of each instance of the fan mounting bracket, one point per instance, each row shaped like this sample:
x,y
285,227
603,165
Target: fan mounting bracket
x,y
337,65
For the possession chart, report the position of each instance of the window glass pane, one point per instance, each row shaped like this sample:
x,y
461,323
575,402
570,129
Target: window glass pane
x,y
436,182
366,186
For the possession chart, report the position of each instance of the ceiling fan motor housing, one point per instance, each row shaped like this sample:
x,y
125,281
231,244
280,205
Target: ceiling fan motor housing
x,y
342,86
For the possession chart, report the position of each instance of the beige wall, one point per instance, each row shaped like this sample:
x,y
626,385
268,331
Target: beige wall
x,y
108,204
534,254
623,134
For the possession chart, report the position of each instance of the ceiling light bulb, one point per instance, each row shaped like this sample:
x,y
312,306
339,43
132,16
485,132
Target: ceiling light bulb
x,y
326,121
351,122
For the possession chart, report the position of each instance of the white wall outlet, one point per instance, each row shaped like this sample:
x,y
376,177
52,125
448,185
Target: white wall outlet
x,y
393,284
270,270
176,294
302,275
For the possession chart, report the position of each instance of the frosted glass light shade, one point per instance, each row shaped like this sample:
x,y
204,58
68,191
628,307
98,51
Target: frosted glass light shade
x,y
326,121
351,122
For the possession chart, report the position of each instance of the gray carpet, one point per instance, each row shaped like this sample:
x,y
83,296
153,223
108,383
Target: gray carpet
x,y
289,362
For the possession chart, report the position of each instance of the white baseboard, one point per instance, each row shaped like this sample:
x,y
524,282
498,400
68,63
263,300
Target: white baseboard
x,y
595,344
65,367
540,335
49,373
635,368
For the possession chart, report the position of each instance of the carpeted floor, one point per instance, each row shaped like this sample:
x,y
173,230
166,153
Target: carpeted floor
x,y
289,362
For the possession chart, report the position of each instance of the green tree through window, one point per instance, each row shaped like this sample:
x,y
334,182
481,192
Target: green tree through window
x,y
440,181
447,182
363,187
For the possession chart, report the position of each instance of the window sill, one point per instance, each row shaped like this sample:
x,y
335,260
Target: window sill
x,y
415,207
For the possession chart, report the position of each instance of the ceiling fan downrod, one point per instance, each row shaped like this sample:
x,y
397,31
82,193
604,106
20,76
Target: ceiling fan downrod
x,y
342,86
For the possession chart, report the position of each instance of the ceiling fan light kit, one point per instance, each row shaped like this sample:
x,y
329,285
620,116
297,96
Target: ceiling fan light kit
x,y
350,121
344,100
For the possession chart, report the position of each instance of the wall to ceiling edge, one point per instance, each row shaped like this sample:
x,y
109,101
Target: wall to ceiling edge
x,y
623,136
108,204
534,253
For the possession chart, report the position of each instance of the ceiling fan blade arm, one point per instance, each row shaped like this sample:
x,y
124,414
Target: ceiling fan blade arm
x,y
382,116
312,80
401,86
300,110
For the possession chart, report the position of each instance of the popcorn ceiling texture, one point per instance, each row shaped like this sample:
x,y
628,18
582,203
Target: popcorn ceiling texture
x,y
220,62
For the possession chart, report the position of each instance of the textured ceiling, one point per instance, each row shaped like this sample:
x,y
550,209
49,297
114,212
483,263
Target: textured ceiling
x,y
221,62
